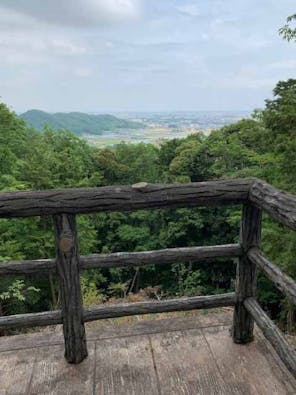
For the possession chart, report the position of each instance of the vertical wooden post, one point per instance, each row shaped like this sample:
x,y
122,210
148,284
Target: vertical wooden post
x,y
250,236
71,300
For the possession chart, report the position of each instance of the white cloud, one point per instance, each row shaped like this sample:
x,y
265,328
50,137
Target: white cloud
x,y
29,48
289,64
83,72
76,12
66,47
176,53
189,9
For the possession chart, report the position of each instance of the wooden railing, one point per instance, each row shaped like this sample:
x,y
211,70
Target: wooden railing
x,y
254,195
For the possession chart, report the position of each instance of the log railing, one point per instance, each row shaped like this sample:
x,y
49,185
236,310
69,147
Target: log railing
x,y
254,195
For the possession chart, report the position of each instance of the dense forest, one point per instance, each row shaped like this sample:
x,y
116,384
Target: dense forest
x,y
263,146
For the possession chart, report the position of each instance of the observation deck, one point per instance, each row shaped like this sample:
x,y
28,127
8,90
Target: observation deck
x,y
215,353
184,355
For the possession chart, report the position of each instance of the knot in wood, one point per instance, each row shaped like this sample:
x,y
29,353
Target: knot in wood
x,y
66,244
140,186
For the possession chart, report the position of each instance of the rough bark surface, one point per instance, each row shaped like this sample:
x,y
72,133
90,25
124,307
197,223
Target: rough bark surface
x,y
125,259
69,280
243,323
120,310
123,198
31,319
283,282
278,204
273,334
181,304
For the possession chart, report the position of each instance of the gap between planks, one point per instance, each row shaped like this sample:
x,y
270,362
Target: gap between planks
x,y
30,341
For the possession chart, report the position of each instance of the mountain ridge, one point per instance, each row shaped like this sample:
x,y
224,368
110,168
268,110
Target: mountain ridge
x,y
78,122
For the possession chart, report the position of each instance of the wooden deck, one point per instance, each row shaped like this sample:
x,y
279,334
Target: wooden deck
x,y
185,355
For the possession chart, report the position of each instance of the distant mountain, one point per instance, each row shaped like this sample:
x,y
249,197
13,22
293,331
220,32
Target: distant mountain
x,y
78,122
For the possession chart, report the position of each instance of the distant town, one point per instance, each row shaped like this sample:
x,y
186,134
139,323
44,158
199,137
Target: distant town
x,y
159,126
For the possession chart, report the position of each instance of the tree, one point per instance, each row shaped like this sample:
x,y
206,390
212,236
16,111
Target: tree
x,y
287,31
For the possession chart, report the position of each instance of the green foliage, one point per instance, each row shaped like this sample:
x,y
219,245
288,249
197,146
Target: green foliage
x,y
118,290
79,123
188,160
91,283
188,282
263,146
16,291
288,32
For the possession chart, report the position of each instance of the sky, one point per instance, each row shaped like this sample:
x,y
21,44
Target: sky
x,y
142,55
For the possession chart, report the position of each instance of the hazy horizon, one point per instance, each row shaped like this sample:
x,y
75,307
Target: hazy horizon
x,y
130,112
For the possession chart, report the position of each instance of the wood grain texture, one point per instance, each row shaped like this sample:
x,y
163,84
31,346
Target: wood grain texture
x,y
16,370
248,369
125,366
123,198
31,319
273,334
243,323
283,282
185,364
28,267
152,357
110,329
70,289
54,376
278,204
120,310
181,304
125,259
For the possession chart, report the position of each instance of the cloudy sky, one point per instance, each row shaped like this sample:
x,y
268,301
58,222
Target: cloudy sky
x,y
142,55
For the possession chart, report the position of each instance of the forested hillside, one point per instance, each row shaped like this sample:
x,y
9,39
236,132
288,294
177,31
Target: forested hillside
x,y
263,146
77,122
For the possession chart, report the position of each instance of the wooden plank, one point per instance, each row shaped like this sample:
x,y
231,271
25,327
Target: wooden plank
x,y
145,325
283,282
273,334
31,340
243,323
120,310
125,259
70,289
123,198
251,369
108,329
54,376
150,307
278,204
125,366
185,364
16,369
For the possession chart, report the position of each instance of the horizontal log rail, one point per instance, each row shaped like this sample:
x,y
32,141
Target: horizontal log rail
x,y
125,259
280,205
120,310
30,320
254,195
283,282
180,304
123,198
273,334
